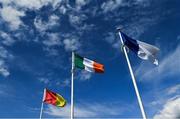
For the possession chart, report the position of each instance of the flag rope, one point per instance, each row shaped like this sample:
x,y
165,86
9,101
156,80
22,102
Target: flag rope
x,y
133,79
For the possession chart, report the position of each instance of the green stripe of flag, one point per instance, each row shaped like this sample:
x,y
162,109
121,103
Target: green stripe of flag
x,y
78,61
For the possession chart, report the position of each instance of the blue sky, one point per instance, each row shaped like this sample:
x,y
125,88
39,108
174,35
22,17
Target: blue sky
x,y
36,40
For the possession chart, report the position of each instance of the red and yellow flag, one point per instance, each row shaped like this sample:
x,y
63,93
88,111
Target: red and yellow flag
x,y
53,98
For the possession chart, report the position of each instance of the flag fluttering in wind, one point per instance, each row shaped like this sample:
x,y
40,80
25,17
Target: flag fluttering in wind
x,y
87,64
53,98
143,50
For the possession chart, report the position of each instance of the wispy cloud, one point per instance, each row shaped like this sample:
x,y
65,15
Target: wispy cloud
x,y
84,75
4,57
44,80
53,39
71,44
111,5
81,3
178,37
173,90
6,38
64,83
113,40
6,91
42,26
86,110
3,69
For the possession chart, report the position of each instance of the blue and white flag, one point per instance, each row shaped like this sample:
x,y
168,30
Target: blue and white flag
x,y
143,50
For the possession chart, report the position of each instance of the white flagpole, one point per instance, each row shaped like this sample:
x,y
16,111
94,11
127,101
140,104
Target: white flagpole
x,y
42,105
133,79
72,87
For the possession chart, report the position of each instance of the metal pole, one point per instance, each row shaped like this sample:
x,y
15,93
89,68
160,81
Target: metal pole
x,y
72,87
42,105
133,79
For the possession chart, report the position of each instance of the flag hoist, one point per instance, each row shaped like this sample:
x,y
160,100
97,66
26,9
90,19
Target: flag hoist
x,y
144,51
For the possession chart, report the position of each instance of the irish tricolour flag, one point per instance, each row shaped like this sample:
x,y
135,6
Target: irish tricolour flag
x,y
87,64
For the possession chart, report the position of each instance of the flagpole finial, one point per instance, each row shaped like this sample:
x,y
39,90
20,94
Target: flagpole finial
x,y
119,28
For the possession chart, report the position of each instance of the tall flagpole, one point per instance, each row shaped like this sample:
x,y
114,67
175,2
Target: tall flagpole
x,y
72,87
133,79
42,105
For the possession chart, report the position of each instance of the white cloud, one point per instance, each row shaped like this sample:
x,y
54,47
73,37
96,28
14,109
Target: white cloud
x,y
52,40
4,56
171,110
31,4
6,38
3,53
39,24
71,44
84,75
43,26
173,89
4,72
44,80
169,66
110,38
76,20
3,69
53,19
62,9
65,83
111,5
85,110
12,16
80,3
142,2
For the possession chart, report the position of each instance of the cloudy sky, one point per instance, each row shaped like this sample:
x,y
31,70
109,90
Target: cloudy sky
x,y
36,40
